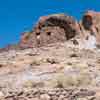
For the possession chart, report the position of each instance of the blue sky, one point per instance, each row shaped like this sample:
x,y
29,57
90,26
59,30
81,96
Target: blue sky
x,y
17,16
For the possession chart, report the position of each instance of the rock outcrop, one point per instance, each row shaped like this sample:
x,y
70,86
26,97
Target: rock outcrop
x,y
50,29
90,25
60,28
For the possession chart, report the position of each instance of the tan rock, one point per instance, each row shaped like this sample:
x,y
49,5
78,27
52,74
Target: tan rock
x,y
44,97
1,94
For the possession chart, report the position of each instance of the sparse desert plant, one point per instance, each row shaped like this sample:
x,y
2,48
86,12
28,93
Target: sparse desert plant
x,y
28,83
84,79
64,81
37,61
31,84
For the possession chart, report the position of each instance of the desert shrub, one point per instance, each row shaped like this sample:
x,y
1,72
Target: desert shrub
x,y
28,83
65,81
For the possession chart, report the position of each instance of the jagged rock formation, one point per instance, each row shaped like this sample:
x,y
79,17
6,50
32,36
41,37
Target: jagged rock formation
x,y
61,27
50,29
42,37
90,25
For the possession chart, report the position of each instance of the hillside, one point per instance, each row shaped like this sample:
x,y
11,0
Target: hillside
x,y
58,60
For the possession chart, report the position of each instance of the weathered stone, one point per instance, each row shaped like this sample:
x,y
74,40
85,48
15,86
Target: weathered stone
x,y
61,97
1,94
90,25
50,29
45,97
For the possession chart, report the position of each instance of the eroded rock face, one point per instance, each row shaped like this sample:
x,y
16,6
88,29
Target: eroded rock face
x,y
90,25
68,23
43,37
50,29
91,19
60,27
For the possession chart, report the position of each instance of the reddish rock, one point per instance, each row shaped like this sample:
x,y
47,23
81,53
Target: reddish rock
x,y
91,24
50,29
27,40
68,23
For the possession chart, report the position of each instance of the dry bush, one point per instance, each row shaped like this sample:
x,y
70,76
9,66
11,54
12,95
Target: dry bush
x,y
64,81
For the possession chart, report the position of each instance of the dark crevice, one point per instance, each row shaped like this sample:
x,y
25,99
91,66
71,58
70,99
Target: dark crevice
x,y
87,22
37,33
48,33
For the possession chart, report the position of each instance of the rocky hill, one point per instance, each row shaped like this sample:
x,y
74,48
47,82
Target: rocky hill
x,y
58,60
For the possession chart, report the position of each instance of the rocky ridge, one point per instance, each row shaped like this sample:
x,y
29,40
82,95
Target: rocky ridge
x,y
60,28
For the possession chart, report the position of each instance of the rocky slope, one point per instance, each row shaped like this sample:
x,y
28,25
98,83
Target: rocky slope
x,y
56,66
58,60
